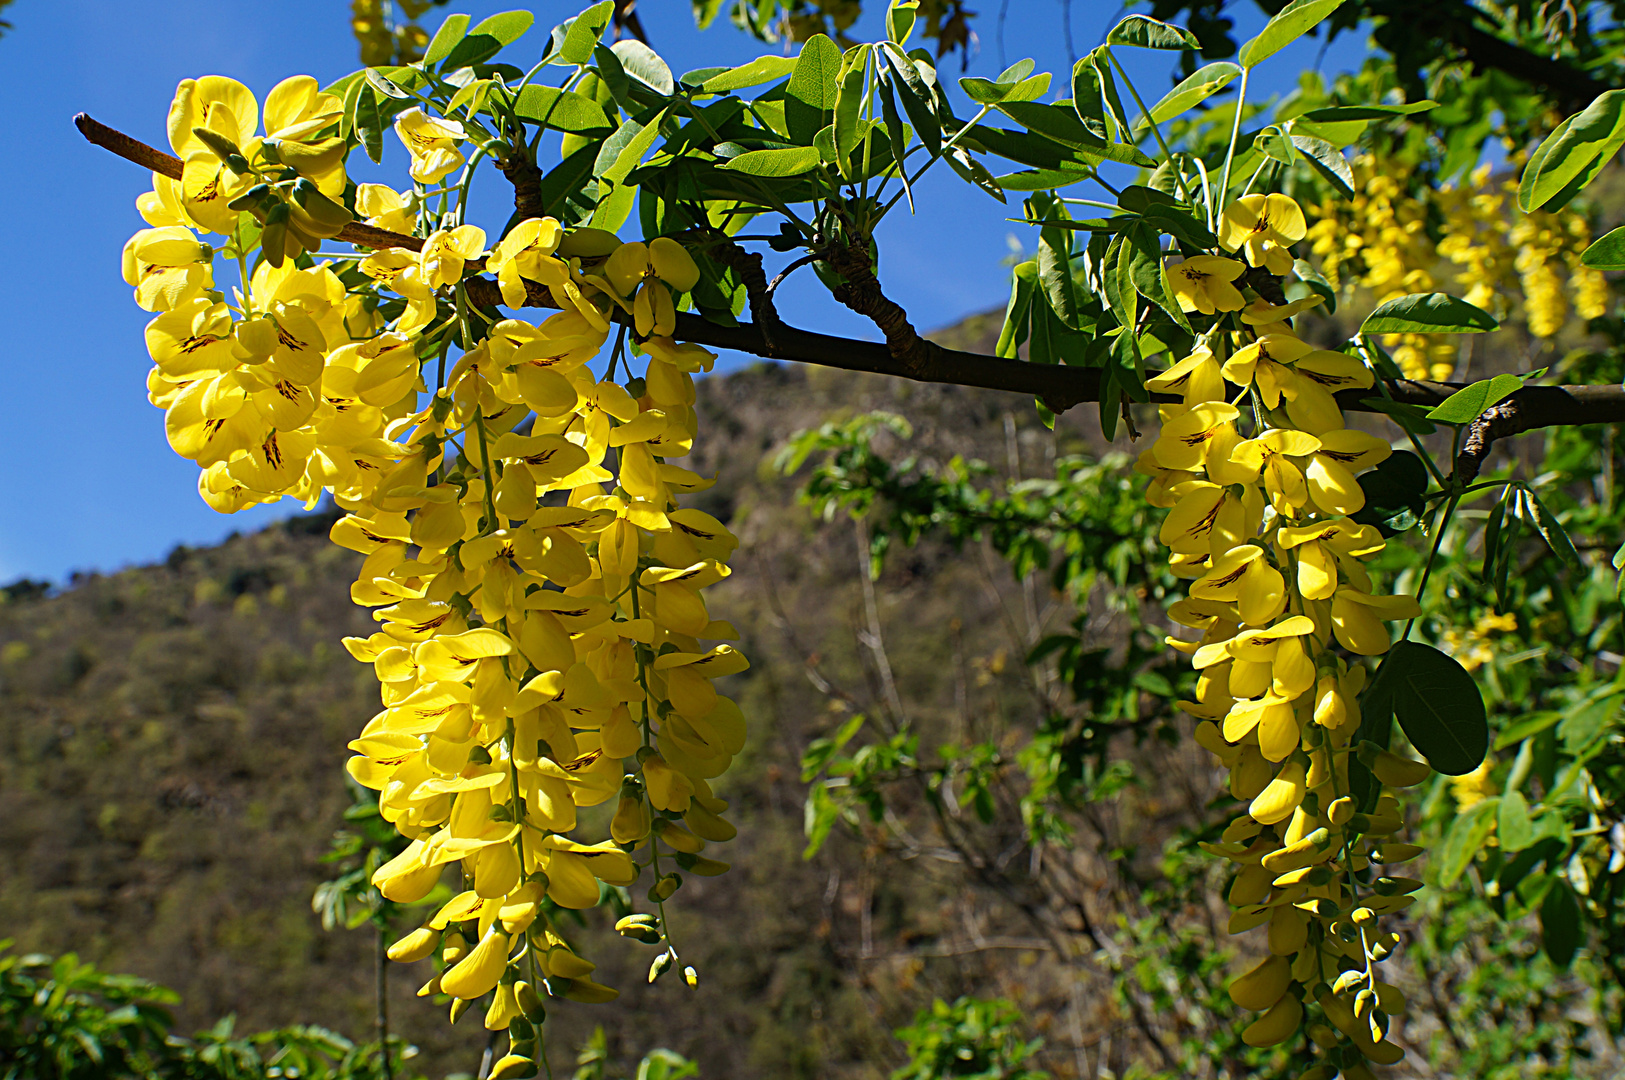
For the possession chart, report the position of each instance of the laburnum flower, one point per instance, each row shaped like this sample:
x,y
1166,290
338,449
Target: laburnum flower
x,y
1357,619
382,207
1321,547
1183,443
1264,227
224,106
633,270
1203,283
168,266
1330,472
1271,455
1197,378
445,251
431,142
1244,576
1264,364
526,253
1210,519
1268,318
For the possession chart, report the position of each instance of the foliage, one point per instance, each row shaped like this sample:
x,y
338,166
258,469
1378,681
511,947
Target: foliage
x,y
61,1019
968,1038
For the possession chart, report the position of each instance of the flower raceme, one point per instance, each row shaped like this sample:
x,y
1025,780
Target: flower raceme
x,y
544,644
1259,491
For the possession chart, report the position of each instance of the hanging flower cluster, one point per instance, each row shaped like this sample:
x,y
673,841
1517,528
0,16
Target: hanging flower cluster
x,y
538,590
1260,489
1381,240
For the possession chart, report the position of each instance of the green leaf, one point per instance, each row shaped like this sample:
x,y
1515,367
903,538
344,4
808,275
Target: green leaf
x,y
383,85
446,38
562,110
1060,124
1055,274
1101,59
1195,89
1533,724
972,171
758,71
1146,271
1560,926
1607,252
1087,100
1328,161
1180,225
1428,313
1023,283
621,153
369,123
1042,179
1144,32
814,82
487,39
1513,827
983,91
1273,144
583,34
1492,532
896,133
1288,25
1439,706
918,101
900,21
644,65
1334,114
1412,418
774,163
850,95
1311,280
1471,402
1465,839
1573,153
1551,530
506,26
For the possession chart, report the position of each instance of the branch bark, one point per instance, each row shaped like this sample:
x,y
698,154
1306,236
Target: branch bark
x,y
907,355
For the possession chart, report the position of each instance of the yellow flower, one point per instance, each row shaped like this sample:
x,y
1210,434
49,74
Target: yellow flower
x,y
381,207
637,266
1264,226
1203,283
1473,788
1245,577
431,142
526,253
1321,547
222,105
1183,443
445,251
1357,619
1197,377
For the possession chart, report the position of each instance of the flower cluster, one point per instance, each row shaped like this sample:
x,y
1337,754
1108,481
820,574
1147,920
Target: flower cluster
x,y
1389,241
539,592
1260,490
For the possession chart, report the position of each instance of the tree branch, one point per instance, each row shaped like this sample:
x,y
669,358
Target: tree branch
x,y
906,355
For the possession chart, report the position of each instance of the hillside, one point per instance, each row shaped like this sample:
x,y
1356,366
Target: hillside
x,y
171,742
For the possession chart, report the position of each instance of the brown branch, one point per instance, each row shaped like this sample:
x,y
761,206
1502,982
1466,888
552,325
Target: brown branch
x,y
1535,407
861,292
171,166
906,355
526,178
758,293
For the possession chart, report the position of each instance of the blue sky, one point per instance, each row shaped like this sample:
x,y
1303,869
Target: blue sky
x,y
91,482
